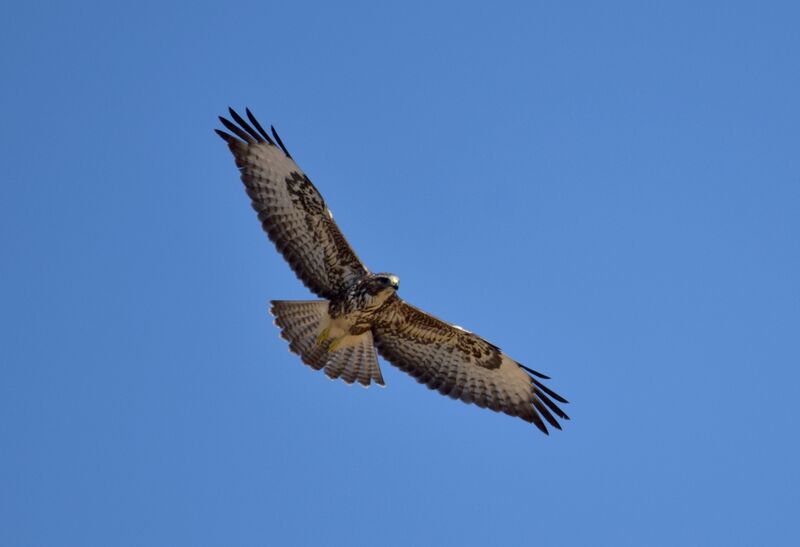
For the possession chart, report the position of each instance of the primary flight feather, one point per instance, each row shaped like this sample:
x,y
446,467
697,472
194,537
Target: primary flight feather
x,y
361,311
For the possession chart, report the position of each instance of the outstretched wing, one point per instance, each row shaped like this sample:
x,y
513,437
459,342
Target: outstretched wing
x,y
290,209
462,365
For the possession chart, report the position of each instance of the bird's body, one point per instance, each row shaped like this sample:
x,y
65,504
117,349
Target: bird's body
x,y
356,310
360,311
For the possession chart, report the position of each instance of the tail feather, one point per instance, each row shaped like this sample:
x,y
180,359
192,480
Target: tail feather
x,y
299,322
336,367
316,356
369,368
357,362
302,321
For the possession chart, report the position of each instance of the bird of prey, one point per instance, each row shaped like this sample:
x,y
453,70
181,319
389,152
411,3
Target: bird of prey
x,y
360,311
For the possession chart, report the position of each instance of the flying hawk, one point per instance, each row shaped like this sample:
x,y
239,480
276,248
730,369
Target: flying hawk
x,y
360,311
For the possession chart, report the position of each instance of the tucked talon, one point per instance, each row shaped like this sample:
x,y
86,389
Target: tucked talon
x,y
335,344
323,336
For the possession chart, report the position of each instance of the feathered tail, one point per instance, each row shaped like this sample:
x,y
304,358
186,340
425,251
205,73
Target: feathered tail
x,y
301,322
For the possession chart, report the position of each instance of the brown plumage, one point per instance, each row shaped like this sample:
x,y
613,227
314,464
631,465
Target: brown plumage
x,y
361,311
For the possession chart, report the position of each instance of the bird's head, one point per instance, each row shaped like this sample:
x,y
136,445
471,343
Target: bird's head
x,y
383,283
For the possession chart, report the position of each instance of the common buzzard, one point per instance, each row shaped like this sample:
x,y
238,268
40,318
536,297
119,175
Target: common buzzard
x,y
360,311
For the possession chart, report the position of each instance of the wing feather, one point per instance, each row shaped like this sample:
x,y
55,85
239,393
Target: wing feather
x,y
258,126
291,209
462,365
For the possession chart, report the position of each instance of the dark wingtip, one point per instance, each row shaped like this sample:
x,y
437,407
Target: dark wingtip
x,y
533,372
254,121
244,125
236,130
279,141
224,136
536,420
542,409
550,404
550,392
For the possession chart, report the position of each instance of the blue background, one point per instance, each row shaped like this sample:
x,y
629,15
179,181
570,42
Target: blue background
x,y
608,191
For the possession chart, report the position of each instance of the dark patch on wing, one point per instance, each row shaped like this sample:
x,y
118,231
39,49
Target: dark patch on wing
x,y
461,365
304,194
291,209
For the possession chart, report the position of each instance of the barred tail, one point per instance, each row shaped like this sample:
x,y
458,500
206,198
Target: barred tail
x,y
302,321
356,361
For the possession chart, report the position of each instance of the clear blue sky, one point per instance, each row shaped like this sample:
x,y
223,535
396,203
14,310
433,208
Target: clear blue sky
x,y
608,191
